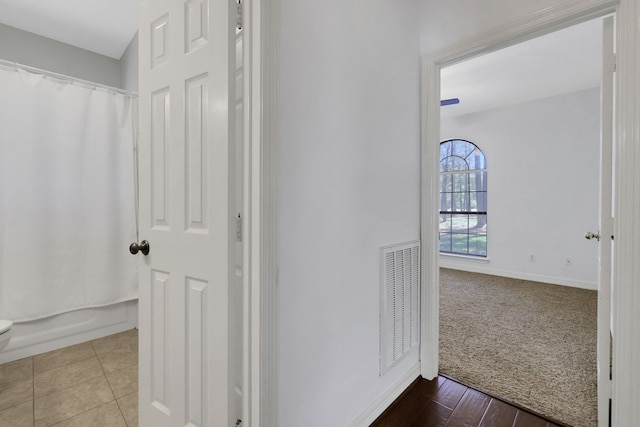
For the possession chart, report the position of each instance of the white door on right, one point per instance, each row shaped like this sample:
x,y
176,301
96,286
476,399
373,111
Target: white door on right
x,y
604,236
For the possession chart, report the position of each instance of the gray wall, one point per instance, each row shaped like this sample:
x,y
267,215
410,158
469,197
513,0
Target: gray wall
x,y
40,52
129,66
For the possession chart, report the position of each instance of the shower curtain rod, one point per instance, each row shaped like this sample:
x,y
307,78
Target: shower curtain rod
x,y
72,80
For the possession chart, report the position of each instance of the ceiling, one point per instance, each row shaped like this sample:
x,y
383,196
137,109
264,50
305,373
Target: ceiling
x,y
560,62
101,26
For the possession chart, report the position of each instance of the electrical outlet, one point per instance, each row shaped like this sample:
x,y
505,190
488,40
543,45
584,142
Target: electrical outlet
x,y
568,262
532,258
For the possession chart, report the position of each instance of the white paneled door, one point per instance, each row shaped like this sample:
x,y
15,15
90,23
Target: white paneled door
x,y
605,236
187,214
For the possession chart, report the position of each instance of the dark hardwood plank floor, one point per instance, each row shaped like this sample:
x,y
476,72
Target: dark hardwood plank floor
x,y
446,402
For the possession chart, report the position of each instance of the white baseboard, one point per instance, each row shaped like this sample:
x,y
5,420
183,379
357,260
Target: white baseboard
x,y
378,406
483,269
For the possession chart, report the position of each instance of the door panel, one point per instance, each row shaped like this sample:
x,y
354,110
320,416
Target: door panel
x,y
187,211
606,224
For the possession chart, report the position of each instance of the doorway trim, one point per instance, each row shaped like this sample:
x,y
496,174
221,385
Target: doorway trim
x,y
261,46
627,203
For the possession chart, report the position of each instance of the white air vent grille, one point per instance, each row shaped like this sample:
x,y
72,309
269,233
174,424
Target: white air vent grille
x,y
400,302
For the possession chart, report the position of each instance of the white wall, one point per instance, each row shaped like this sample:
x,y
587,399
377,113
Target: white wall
x,y
40,52
349,183
543,161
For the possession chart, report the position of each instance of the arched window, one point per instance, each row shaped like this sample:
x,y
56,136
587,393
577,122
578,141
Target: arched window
x,y
463,198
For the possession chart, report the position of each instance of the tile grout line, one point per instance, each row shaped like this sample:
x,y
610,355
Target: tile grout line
x,y
64,390
76,415
126,423
61,366
69,385
106,377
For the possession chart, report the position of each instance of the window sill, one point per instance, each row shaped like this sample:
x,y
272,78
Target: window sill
x,y
477,259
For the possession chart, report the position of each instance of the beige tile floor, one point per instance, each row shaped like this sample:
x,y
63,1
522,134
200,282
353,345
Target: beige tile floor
x,y
89,384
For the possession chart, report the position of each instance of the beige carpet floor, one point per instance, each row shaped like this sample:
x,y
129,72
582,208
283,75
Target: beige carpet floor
x,y
530,343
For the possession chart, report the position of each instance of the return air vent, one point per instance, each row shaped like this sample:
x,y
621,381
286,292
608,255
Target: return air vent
x,y
400,302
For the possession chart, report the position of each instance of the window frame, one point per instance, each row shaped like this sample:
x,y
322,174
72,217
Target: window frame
x,y
465,197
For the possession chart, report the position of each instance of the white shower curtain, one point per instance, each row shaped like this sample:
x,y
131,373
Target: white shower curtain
x,y
67,211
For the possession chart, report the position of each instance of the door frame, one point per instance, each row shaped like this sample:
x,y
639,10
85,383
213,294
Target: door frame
x,y
260,226
627,195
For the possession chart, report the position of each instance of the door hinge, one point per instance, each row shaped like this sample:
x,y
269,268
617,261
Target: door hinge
x,y
239,14
239,228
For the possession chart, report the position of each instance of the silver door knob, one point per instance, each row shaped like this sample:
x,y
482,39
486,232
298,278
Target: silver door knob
x,y
143,247
589,235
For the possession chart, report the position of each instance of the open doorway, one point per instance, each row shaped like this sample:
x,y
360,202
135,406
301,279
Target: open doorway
x,y
534,111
